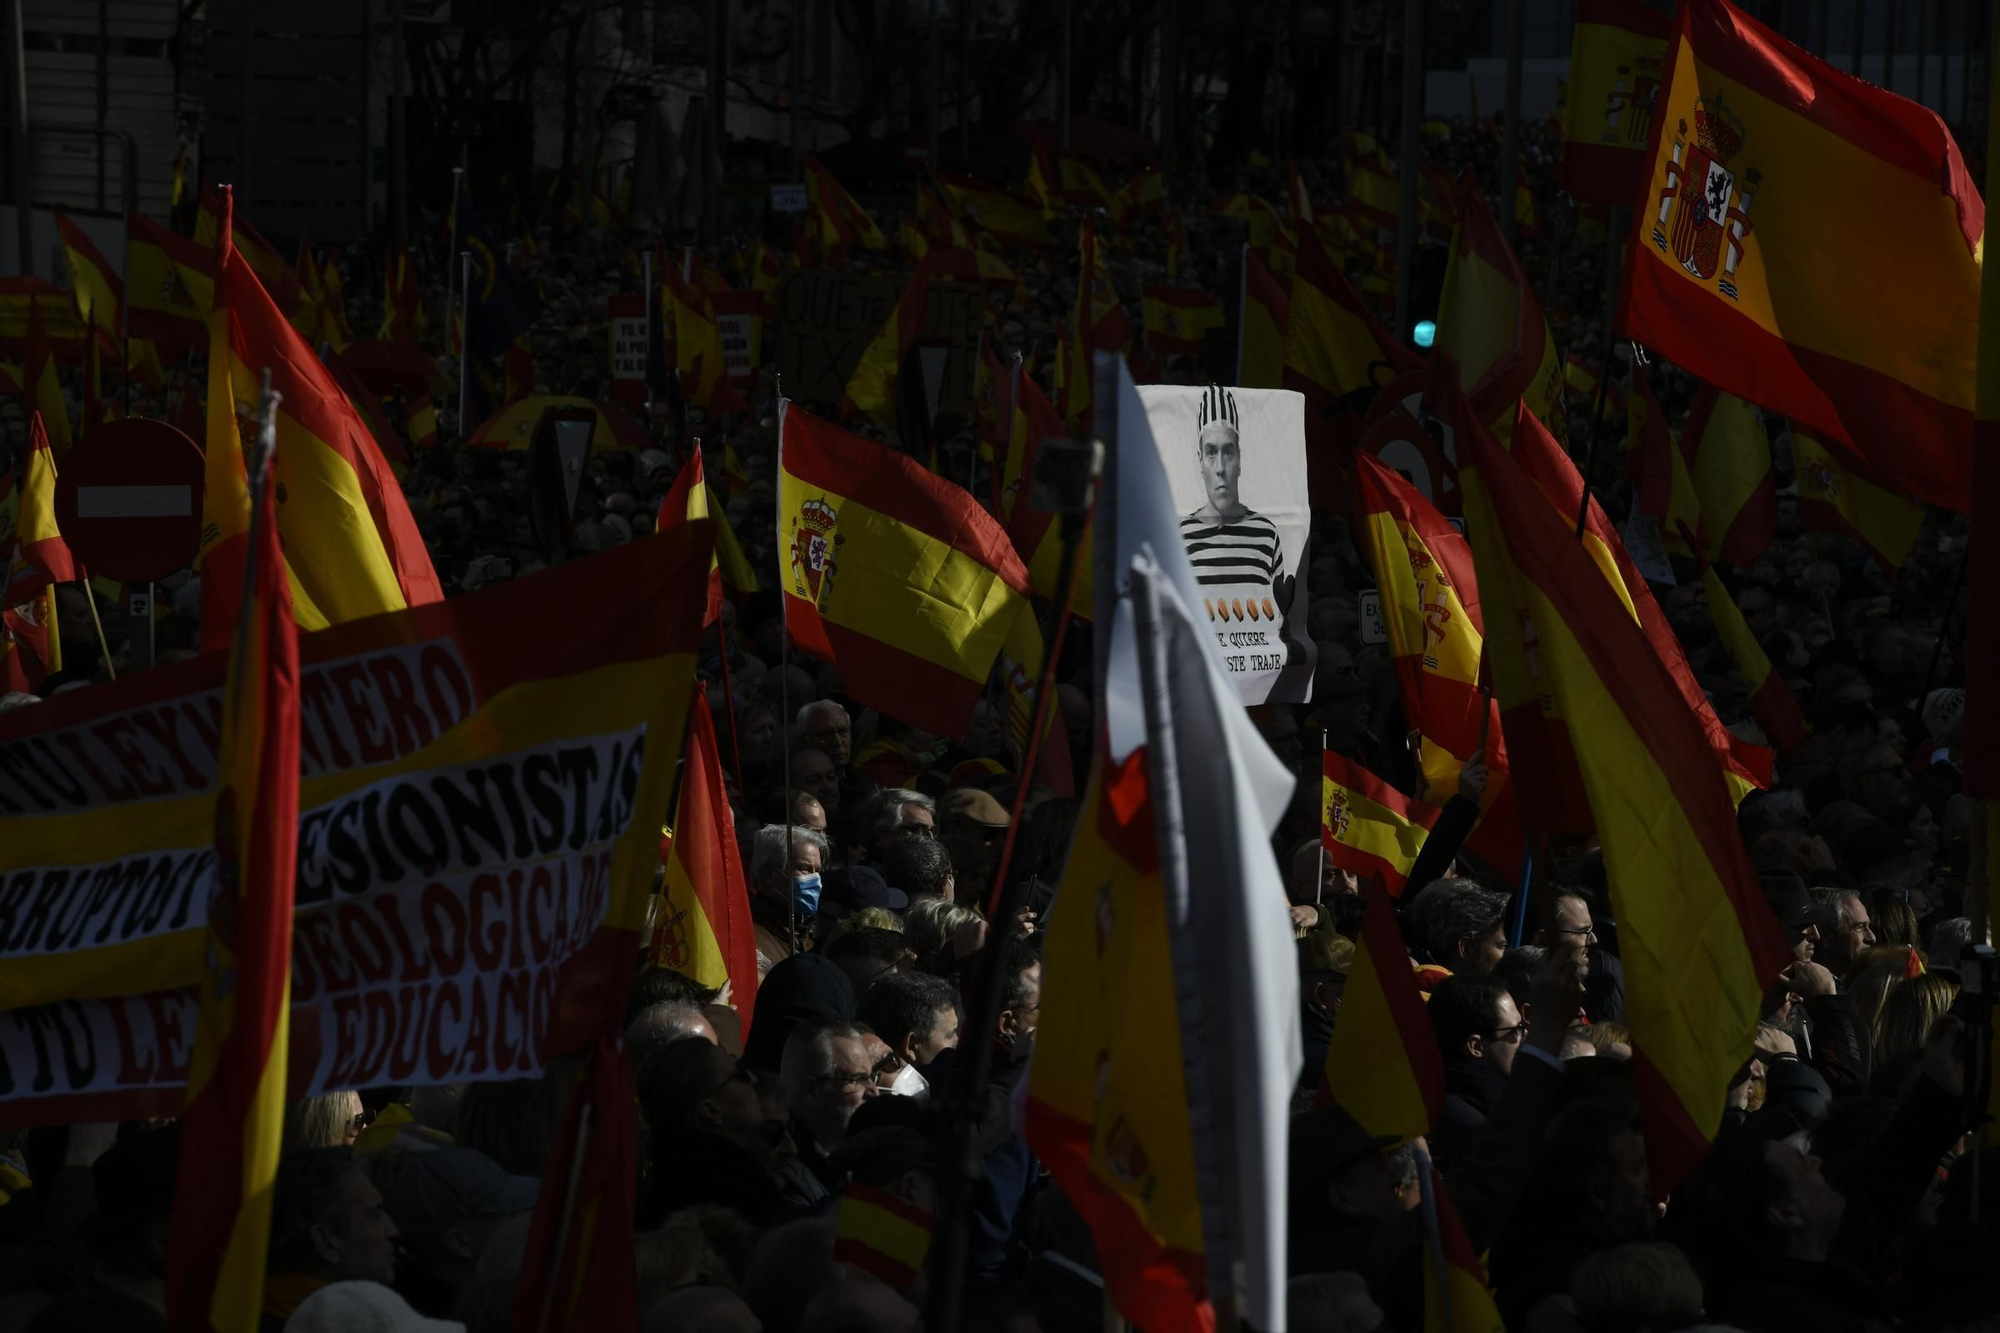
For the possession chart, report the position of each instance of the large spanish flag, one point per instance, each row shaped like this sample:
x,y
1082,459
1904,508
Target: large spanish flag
x,y
1701,943
703,929
171,282
1839,495
232,1127
1264,324
279,282
1777,186
1437,636
1490,320
1616,58
1368,827
892,573
1541,460
351,547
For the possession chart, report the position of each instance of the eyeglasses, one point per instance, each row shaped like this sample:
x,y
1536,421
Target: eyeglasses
x,y
1581,932
844,1081
1508,1036
737,1074
886,1069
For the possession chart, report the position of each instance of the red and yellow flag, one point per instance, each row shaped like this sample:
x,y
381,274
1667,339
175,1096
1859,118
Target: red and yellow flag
x,y
1616,59
1724,459
1775,180
234,1119
1059,179
703,929
94,285
882,1234
1456,1300
1383,1065
1003,213
1097,324
688,499
1145,192
351,546
871,389
279,282
1374,194
1178,319
837,220
1267,319
1036,536
892,573
1837,494
44,390
1490,320
1335,353
37,555
697,345
171,282
1680,877
1367,826
402,305
1771,701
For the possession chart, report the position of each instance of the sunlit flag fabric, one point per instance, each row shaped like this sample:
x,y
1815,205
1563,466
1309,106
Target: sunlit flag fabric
x,y
1776,182
1456,1300
36,559
1383,1064
1334,349
871,389
1727,464
171,282
1005,213
1838,495
233,1124
95,286
1437,636
703,929
1700,942
351,546
1266,322
1178,319
1490,320
44,390
1771,700
882,1234
688,499
1368,827
1743,766
1616,58
896,576
280,283
697,345
838,222
1374,195
1128,1062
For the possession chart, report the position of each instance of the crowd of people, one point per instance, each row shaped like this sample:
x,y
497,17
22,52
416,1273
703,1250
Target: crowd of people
x,y
1839,1196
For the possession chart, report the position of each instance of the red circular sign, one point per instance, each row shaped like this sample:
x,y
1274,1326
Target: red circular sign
x,y
128,500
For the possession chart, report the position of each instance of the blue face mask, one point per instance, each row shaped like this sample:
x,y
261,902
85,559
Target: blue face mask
x,y
805,894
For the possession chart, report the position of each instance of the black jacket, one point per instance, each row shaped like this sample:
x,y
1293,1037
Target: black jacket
x,y
1471,1089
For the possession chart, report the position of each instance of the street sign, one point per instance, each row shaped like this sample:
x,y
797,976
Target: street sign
x,y
1372,628
788,199
128,500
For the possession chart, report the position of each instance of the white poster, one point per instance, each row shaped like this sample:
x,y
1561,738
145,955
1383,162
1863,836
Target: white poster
x,y
1236,461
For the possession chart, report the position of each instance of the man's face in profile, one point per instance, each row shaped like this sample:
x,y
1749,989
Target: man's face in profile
x,y
1221,466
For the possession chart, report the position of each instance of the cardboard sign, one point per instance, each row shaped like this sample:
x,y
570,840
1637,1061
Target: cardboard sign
x,y
788,199
628,349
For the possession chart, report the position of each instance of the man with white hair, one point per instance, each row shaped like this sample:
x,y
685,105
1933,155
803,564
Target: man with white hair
x,y
894,811
824,725
785,866
827,1073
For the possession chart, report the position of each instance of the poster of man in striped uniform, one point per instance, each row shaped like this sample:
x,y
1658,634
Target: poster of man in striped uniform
x,y
1242,493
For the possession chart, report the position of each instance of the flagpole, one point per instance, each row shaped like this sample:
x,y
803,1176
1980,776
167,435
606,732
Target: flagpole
x,y
1413,111
1611,266
1319,883
1521,899
1427,1186
457,183
464,342
785,692
646,278
728,695
569,1204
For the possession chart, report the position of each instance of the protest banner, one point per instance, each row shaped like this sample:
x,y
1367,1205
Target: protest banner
x,y
479,822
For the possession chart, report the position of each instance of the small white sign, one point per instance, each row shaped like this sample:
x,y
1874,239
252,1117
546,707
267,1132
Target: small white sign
x,y
628,347
739,351
1372,628
788,198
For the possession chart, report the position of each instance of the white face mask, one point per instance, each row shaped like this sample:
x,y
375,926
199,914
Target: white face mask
x,y
909,1083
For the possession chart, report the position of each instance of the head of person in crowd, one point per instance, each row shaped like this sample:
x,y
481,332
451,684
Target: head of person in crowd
x,y
787,867
1465,926
815,774
856,888
1569,921
807,812
972,824
1476,1021
800,989
1753,1202
1637,1287
941,931
827,1074
894,812
1020,998
692,1088
1893,919
700,1309
1910,1011
915,1013
446,1204
824,725
758,735
516,1121
1337,1167
1851,933
328,1224
326,1121
870,954
1805,921
919,865
1589,1190
1315,879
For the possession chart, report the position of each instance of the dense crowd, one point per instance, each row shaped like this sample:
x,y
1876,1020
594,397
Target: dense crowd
x,y
1837,1198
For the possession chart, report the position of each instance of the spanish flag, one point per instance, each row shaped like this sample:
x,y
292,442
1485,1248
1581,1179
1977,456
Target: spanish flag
x,y
871,389
1456,1299
1145,191
688,499
1335,352
329,324
1837,494
1616,58
1437,636
1374,194
1037,537
896,576
236,1084
1491,323
1178,319
171,282
837,221
402,304
1771,701
1704,943
1383,1064
1265,325
939,220
276,276
697,346
1060,180
1003,213
1777,184
94,285
1727,463
351,547
882,1234
1097,324
44,390
703,929
1367,826
38,557
1542,461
